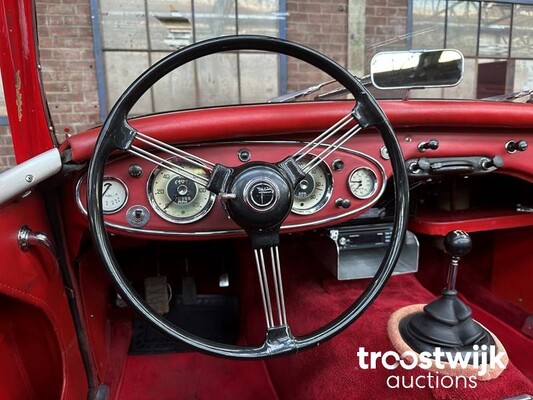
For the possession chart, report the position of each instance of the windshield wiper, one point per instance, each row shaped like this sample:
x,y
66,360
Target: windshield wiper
x,y
365,80
510,96
300,93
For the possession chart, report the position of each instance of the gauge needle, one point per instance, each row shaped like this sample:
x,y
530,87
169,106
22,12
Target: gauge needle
x,y
107,186
360,183
170,202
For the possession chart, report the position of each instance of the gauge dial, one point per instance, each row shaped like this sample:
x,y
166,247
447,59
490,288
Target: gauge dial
x,y
114,195
176,198
314,191
363,182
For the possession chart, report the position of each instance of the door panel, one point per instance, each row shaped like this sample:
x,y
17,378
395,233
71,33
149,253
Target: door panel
x,y
39,352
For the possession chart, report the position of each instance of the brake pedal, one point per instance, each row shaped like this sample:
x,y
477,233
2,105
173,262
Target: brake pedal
x,y
156,293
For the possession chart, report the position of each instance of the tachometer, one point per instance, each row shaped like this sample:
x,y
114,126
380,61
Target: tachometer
x,y
314,191
176,198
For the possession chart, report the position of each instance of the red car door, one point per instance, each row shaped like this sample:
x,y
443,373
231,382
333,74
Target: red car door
x,y
40,355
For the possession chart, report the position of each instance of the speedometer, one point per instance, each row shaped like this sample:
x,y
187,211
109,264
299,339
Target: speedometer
x,y
314,191
176,198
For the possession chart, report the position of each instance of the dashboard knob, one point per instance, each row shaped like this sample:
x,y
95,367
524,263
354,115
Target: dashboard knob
x,y
337,165
344,203
512,146
458,243
135,170
432,144
495,162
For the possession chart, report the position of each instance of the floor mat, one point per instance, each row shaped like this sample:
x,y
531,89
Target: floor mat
x,y
213,317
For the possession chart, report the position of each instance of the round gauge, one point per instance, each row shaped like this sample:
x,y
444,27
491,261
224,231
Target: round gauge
x,y
363,182
114,195
314,191
176,198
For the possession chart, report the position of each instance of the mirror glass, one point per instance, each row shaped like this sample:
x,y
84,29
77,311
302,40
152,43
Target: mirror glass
x,y
417,69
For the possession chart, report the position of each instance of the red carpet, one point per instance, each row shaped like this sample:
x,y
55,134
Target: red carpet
x,y
329,371
332,370
193,376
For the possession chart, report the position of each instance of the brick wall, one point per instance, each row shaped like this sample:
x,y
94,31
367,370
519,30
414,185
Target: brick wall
x,y
321,25
67,58
69,76
7,159
385,20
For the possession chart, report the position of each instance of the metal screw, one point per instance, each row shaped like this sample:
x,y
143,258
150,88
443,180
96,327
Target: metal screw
x,y
29,178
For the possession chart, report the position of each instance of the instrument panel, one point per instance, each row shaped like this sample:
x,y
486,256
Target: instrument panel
x,y
145,199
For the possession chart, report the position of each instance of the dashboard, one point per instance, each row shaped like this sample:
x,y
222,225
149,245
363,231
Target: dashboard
x,y
143,198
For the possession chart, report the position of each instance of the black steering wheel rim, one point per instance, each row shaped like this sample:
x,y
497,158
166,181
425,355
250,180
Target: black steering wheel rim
x,y
117,134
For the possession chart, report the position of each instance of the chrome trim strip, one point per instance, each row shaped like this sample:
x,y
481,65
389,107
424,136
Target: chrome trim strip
x,y
156,232
25,176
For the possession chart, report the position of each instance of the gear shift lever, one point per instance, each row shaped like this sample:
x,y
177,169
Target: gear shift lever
x,y
447,322
457,244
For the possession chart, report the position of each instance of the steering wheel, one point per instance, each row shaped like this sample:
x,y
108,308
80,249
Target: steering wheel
x,y
258,196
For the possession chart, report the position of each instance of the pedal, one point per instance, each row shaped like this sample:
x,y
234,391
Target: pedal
x,y
223,280
156,293
188,290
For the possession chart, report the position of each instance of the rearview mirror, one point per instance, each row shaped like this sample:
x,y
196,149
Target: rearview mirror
x,y
416,69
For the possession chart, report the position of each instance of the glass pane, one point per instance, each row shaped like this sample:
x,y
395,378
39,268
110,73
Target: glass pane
x,y
214,18
523,75
428,24
123,24
462,26
121,69
522,44
467,88
170,23
177,90
218,80
259,17
259,77
494,30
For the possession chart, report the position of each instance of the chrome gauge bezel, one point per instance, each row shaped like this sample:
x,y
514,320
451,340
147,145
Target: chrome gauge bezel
x,y
126,191
164,215
329,190
374,189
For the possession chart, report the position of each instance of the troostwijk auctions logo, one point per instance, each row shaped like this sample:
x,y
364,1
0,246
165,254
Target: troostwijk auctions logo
x,y
477,364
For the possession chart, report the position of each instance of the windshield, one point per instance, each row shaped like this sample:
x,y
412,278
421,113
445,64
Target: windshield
x,y
91,52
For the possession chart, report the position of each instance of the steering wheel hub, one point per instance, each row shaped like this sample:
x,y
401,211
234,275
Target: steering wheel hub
x,y
263,198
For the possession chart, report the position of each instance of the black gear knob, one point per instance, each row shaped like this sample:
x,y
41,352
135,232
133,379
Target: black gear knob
x,y
458,243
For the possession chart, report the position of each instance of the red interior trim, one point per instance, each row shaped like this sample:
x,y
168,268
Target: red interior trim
x,y
280,119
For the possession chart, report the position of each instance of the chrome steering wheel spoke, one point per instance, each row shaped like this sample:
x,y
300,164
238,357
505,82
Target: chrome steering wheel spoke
x,y
274,317
140,141
341,125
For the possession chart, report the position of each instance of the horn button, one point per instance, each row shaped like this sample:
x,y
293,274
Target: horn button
x,y
263,198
